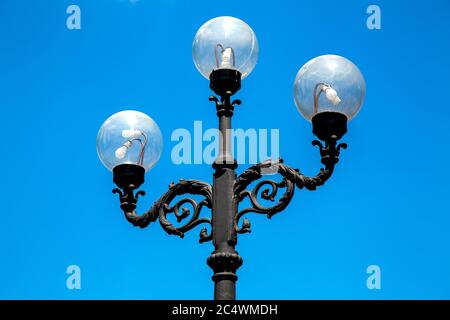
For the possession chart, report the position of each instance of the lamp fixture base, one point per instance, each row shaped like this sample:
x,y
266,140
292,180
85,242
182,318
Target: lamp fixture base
x,y
127,174
327,124
225,81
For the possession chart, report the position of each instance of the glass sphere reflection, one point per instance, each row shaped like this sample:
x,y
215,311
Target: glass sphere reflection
x,y
129,137
329,83
225,42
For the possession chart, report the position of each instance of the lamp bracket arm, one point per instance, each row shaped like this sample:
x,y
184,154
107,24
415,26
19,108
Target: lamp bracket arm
x,y
291,178
128,200
161,208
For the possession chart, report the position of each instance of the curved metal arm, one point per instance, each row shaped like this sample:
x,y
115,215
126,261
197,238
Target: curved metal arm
x,y
161,208
128,205
291,177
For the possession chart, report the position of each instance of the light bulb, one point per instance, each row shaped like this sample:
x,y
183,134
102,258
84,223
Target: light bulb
x,y
227,56
121,152
129,137
226,38
336,100
332,95
131,133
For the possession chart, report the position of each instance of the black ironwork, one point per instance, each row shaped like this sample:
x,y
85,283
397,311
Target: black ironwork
x,y
229,190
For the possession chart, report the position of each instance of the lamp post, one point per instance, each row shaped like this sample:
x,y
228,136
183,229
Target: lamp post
x,y
328,90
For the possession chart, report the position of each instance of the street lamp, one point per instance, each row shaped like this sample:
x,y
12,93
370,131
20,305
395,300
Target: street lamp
x,y
328,90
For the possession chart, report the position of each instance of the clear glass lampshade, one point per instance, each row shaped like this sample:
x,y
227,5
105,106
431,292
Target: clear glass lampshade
x,y
225,42
129,137
329,83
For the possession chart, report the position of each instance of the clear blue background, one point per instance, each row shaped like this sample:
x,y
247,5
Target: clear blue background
x,y
387,203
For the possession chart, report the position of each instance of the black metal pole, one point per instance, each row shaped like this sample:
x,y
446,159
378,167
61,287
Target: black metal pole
x,y
224,260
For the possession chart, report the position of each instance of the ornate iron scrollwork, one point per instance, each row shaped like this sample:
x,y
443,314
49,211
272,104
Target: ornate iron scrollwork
x,y
161,208
191,187
290,178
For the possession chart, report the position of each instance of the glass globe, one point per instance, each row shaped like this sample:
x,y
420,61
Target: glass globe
x,y
329,83
225,43
129,137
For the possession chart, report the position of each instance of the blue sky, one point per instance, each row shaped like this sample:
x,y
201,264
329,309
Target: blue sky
x,y
387,203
